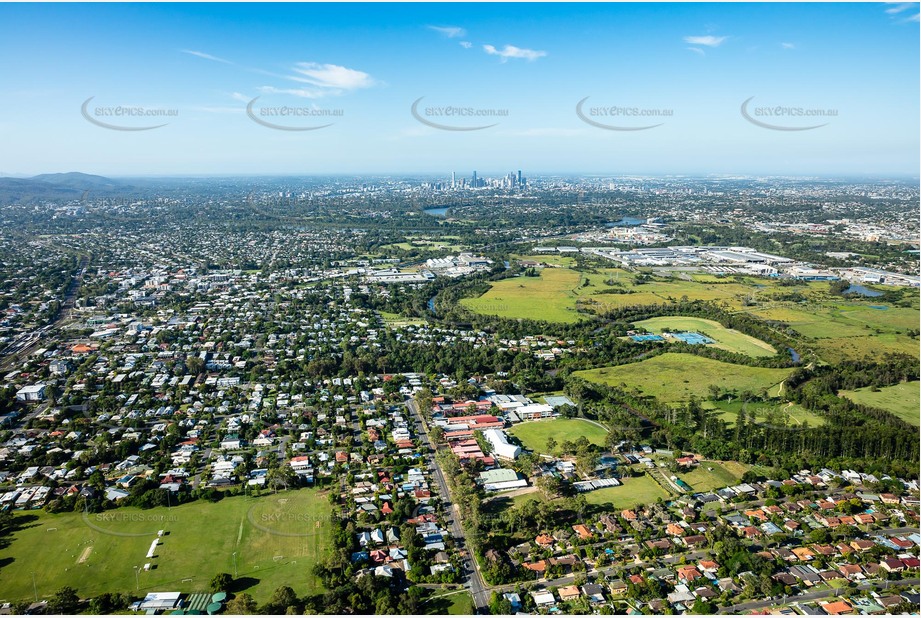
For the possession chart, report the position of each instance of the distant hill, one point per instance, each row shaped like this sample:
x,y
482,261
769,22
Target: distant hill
x,y
70,185
77,180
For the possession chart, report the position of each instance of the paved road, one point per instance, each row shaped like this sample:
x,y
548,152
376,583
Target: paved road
x,y
478,589
611,570
808,596
481,592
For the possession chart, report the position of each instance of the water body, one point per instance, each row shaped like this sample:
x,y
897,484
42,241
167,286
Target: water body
x,y
862,291
879,307
794,355
437,212
431,305
626,222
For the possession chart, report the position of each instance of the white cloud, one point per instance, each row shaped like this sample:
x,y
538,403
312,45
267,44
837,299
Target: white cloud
x,y
510,51
708,40
331,77
915,17
199,54
303,93
466,44
452,32
697,50
239,96
788,45
899,7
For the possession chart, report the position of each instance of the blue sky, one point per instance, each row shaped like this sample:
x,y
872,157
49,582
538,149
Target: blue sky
x,y
698,62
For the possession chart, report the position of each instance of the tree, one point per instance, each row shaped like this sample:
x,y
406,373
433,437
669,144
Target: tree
x,y
551,443
64,601
282,600
242,604
221,582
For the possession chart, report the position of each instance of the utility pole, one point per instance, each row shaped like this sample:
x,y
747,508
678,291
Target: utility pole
x,y
137,578
234,565
34,587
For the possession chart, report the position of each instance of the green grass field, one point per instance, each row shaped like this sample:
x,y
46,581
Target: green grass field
x,y
443,603
726,338
834,328
795,414
547,297
277,538
709,475
534,434
634,491
673,377
396,320
547,258
842,330
903,400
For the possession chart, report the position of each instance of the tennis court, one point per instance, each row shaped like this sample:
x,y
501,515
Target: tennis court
x,y
692,338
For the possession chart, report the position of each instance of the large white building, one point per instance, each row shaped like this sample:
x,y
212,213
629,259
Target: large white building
x,y
500,446
33,392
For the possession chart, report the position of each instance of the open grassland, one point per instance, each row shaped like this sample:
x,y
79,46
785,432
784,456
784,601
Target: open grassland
x,y
634,491
277,539
549,258
902,400
709,475
833,327
725,338
735,292
534,434
793,415
673,377
839,331
548,297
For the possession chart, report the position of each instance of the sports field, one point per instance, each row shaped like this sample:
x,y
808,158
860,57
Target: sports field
x,y
634,491
397,321
277,539
534,434
673,377
726,338
903,400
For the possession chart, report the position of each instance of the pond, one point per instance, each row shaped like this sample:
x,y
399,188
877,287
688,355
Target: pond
x,y
862,291
437,212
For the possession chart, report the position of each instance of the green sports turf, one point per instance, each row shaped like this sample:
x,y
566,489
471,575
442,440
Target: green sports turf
x,y
278,538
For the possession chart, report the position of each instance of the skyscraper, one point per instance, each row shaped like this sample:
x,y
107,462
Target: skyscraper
x,y
519,178
453,179
474,179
